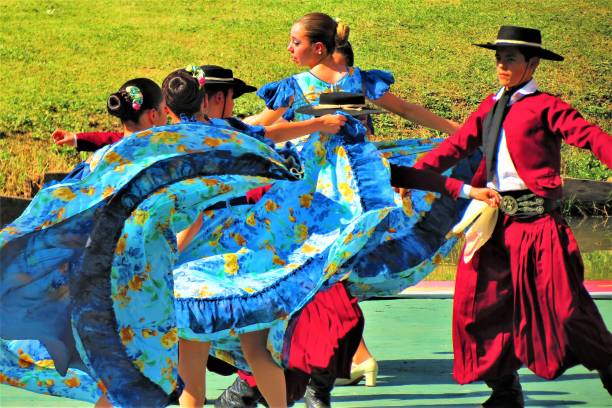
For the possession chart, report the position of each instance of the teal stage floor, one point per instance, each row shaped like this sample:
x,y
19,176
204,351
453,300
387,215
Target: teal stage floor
x,y
411,340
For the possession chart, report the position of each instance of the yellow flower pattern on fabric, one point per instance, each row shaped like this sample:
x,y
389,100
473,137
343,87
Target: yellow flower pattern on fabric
x,y
301,232
166,138
231,264
64,194
140,217
127,335
72,382
305,200
25,360
169,338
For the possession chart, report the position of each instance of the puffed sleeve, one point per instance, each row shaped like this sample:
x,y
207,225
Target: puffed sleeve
x,y
376,83
277,94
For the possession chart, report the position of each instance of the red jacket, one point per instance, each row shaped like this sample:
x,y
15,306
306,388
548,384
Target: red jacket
x,y
91,141
534,126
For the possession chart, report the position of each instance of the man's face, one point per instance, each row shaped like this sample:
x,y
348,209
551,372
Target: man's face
x,y
512,68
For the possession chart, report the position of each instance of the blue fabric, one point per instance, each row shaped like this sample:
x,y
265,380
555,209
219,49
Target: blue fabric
x,y
305,88
258,132
277,94
121,299
377,83
44,250
27,365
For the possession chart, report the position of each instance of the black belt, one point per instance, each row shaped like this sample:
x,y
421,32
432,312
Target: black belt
x,y
228,203
524,203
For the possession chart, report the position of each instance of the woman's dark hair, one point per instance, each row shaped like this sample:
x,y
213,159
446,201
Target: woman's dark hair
x,y
183,93
346,50
319,27
121,103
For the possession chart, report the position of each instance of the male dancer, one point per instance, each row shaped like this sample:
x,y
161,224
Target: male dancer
x,y
521,299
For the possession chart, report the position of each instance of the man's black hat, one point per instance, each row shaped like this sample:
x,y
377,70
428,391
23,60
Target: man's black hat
x,y
513,36
329,102
217,75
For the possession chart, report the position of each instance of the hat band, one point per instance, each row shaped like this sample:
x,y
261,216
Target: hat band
x,y
331,106
517,42
209,78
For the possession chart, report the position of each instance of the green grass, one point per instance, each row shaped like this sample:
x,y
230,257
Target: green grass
x,y
60,60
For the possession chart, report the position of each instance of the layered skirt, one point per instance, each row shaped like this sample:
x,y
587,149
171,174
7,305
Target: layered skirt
x,y
91,272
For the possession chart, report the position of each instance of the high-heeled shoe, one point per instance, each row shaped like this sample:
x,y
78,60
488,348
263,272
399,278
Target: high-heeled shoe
x,y
368,369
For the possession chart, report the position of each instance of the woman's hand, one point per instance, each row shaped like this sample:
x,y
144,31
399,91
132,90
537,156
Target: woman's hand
x,y
488,195
331,123
61,137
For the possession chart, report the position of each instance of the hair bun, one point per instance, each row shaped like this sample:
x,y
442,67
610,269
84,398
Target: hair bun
x,y
177,84
117,105
342,33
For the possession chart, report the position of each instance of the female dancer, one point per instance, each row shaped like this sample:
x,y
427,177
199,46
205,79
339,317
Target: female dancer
x,y
124,105
139,105
321,44
314,37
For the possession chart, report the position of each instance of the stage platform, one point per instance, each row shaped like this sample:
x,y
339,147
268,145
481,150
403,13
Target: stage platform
x,y
411,340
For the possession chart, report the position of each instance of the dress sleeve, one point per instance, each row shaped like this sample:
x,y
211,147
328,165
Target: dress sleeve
x,y
277,94
376,83
289,115
92,141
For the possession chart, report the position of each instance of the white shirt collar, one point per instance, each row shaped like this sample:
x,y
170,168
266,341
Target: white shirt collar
x,y
527,89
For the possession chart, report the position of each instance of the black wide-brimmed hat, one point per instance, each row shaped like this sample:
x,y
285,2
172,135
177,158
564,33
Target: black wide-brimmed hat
x,y
330,102
217,75
513,36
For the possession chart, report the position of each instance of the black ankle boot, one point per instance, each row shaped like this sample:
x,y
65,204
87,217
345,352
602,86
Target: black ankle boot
x,y
606,378
239,395
318,392
507,393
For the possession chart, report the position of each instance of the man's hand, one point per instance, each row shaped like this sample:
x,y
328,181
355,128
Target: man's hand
x,y
488,195
62,137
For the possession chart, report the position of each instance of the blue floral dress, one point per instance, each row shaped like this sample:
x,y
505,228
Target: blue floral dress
x,y
91,271
305,88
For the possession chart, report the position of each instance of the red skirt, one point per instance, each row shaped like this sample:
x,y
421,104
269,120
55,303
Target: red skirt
x,y
521,301
322,337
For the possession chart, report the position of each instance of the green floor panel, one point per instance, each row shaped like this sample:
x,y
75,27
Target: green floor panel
x,y
411,340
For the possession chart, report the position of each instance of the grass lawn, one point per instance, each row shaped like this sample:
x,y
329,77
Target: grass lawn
x,y
61,59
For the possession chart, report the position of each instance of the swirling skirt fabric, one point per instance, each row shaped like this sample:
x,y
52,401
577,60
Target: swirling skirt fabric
x,y
99,255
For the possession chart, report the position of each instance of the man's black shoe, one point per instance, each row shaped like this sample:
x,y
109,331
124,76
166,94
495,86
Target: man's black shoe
x,y
507,393
606,378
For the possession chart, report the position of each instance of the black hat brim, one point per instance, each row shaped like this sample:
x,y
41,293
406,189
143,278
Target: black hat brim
x,y
314,110
539,52
241,88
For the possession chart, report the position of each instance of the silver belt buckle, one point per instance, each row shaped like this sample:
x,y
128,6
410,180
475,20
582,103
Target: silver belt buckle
x,y
509,205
